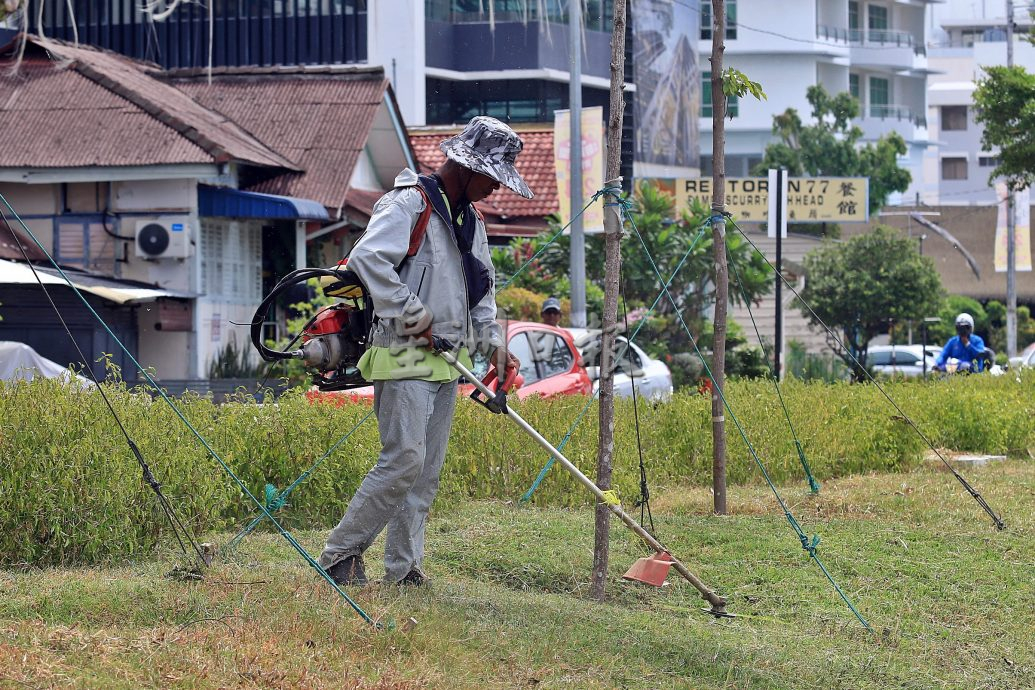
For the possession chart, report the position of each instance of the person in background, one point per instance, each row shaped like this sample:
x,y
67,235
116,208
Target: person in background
x,y
965,347
551,313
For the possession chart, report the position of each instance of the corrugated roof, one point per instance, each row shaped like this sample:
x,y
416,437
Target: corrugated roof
x,y
52,117
319,119
73,91
535,163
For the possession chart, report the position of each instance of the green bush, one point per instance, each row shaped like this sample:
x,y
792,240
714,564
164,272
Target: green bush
x,y
72,492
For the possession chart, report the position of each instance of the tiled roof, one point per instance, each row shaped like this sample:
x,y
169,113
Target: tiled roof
x,y
535,163
321,119
72,106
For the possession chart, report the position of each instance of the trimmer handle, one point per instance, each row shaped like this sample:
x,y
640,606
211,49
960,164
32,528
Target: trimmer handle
x,y
497,404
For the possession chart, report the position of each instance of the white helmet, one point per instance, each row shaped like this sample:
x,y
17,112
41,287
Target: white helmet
x,y
965,319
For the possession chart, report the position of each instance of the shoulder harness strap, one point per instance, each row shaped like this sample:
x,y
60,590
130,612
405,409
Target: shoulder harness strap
x,y
420,228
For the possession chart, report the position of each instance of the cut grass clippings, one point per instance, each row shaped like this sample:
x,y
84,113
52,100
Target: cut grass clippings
x,y
950,599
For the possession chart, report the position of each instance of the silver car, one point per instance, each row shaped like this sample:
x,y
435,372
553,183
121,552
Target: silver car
x,y
900,360
652,377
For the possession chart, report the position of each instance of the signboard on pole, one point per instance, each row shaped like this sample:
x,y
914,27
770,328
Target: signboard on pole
x,y
809,199
592,165
777,209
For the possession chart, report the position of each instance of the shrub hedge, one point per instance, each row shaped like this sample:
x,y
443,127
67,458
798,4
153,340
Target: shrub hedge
x,y
71,491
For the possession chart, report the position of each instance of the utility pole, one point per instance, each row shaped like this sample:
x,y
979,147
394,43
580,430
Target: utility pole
x,y
719,250
578,239
612,272
1011,225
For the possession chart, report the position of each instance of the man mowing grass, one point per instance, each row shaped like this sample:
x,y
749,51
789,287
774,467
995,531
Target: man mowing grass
x,y
446,288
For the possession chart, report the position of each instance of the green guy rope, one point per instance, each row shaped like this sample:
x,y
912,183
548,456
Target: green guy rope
x,y
808,545
639,325
813,484
226,468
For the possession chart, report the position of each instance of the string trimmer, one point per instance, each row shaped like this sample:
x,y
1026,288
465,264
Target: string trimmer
x,y
335,338
496,402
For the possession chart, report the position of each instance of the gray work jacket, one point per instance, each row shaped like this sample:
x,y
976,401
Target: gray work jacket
x,y
403,289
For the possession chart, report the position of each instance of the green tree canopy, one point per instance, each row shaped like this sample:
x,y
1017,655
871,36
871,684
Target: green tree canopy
x,y
1005,101
860,286
668,238
830,146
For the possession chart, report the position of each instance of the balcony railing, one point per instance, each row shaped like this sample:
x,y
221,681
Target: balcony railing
x,y
838,34
884,37
888,111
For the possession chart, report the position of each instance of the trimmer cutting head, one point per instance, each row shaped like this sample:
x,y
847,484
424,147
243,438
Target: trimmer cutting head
x,y
650,570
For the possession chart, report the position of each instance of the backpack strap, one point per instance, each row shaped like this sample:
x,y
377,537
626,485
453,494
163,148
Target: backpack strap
x,y
420,228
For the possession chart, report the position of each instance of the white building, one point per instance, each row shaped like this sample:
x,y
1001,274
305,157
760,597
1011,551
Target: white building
x,y
875,50
968,35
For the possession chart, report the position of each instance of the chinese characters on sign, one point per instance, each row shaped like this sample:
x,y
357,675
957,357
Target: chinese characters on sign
x,y
809,199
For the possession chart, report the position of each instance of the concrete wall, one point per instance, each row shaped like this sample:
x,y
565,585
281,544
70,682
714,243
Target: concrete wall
x,y
395,31
34,200
974,227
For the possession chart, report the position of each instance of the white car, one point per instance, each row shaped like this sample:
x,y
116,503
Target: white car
x,y
900,360
1025,359
653,378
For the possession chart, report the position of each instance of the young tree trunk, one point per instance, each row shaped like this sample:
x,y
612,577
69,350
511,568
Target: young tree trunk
x,y
719,247
612,269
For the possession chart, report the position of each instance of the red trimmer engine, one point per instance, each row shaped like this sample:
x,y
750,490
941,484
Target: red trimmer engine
x,y
334,339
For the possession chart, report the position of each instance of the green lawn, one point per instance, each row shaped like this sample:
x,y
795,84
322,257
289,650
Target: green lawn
x,y
951,601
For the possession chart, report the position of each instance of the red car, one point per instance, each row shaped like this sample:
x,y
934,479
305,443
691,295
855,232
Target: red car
x,y
550,365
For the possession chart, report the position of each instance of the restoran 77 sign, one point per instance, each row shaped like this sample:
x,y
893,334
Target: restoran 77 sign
x,y
809,199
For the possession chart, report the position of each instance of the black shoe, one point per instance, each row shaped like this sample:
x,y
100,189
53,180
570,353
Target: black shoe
x,y
348,571
415,578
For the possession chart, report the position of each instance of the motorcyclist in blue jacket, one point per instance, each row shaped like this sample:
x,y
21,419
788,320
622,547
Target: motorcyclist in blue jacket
x,y
965,347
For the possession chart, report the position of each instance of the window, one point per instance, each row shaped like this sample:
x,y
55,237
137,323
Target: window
x,y
552,353
231,260
853,15
877,18
630,363
878,359
954,118
901,358
988,161
853,86
880,97
706,20
732,103
519,346
954,168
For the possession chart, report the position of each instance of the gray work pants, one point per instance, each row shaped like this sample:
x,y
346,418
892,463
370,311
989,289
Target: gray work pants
x,y
413,420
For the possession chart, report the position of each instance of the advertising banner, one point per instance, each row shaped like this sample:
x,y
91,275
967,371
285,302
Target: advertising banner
x,y
1021,233
592,165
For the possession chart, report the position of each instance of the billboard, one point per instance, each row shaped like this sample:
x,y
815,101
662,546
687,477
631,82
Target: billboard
x,y
668,87
809,199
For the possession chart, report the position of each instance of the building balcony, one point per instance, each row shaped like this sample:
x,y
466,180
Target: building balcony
x,y
879,119
885,48
833,34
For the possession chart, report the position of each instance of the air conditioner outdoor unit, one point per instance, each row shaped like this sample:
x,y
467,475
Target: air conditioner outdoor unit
x,y
170,237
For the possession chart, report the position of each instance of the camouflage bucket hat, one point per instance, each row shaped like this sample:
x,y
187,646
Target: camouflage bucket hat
x,y
489,147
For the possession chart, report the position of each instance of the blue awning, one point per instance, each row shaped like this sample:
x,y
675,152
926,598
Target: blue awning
x,y
224,202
